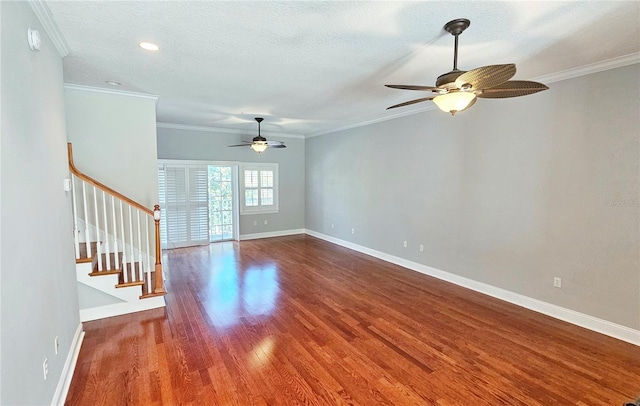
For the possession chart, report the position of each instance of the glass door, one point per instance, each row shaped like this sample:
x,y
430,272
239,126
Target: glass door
x,y
221,203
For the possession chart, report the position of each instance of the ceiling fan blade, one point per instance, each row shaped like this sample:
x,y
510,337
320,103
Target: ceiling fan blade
x,y
411,102
247,144
512,88
412,87
486,76
274,143
277,146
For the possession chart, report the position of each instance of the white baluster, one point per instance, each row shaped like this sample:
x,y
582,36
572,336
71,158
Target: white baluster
x,y
146,226
107,248
98,248
131,256
87,238
76,233
124,245
115,233
140,269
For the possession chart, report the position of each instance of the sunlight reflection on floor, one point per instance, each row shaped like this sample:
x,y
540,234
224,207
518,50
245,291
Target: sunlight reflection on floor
x,y
233,292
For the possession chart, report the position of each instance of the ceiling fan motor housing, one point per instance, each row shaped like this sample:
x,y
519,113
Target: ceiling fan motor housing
x,y
448,80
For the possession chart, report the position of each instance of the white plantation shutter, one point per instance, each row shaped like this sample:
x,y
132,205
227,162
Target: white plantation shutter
x,y
163,206
186,201
199,204
176,205
259,188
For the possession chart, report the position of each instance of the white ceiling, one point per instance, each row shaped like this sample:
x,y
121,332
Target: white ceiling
x,y
311,67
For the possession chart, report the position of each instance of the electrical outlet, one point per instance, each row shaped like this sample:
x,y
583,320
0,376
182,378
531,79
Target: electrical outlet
x,y
331,225
557,282
255,223
266,222
404,244
56,344
353,231
45,368
421,248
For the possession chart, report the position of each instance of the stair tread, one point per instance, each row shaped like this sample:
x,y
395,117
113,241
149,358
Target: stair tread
x,y
134,283
148,295
105,272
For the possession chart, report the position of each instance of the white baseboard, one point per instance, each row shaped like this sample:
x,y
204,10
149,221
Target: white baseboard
x,y
580,319
69,367
118,309
271,234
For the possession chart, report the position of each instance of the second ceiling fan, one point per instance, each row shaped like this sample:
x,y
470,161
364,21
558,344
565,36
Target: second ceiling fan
x,y
458,90
259,143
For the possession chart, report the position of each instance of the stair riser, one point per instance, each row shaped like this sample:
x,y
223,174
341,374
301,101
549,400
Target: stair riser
x,y
107,284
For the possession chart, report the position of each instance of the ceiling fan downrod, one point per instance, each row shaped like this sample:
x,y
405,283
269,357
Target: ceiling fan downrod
x,y
455,28
259,120
446,80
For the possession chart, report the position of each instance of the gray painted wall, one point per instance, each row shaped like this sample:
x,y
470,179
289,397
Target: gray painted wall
x,y
510,193
39,299
212,146
114,141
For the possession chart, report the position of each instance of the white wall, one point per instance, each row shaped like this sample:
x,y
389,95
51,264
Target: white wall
x,y
510,193
39,299
213,146
114,140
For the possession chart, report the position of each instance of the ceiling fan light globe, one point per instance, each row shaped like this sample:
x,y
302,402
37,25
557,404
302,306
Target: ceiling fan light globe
x,y
259,146
454,102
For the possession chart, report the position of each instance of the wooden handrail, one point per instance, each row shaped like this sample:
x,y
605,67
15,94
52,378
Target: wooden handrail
x,y
102,186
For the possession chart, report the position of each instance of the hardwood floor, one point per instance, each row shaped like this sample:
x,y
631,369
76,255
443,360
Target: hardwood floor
x,y
299,321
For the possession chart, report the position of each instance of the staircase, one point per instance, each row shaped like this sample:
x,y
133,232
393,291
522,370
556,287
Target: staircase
x,y
117,248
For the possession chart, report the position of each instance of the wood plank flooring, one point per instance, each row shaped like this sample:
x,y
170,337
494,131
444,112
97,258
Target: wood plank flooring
x,y
299,321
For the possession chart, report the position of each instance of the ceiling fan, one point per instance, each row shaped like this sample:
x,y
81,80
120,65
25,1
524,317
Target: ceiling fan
x,y
458,90
259,143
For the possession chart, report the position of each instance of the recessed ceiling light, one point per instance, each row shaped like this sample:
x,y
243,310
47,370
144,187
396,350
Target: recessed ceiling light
x,y
148,46
113,83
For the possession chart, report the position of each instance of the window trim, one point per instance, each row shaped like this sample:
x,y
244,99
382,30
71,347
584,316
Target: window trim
x,y
275,208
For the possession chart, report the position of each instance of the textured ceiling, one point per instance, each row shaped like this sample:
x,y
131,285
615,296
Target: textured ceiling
x,y
311,67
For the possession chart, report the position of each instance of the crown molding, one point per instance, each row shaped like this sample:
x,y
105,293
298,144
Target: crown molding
x,y
223,130
613,63
124,93
43,13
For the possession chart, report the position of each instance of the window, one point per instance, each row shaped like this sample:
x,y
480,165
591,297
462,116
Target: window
x,y
259,188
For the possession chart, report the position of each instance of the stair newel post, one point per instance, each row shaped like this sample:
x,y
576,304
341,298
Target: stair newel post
x,y
158,288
